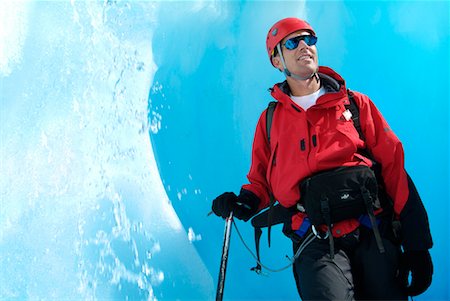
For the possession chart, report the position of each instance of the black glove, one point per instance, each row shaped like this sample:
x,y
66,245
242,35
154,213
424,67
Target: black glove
x,y
243,206
421,267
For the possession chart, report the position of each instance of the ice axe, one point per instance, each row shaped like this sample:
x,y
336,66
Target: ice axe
x,y
224,259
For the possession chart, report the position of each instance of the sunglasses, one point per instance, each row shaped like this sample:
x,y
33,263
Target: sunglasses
x,y
292,43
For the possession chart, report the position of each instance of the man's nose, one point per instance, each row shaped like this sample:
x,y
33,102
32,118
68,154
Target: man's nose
x,y
302,44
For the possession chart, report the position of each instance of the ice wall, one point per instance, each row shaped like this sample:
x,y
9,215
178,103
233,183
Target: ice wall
x,y
84,215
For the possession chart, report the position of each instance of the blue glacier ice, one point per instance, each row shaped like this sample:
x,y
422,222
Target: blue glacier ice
x,y
122,120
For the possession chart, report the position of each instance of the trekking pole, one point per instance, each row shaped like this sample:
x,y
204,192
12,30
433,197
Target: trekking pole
x,y
224,259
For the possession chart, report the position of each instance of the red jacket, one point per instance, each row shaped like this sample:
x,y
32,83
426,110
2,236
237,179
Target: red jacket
x,y
306,142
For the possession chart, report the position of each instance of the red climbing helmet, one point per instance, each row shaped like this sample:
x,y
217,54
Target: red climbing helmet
x,y
283,28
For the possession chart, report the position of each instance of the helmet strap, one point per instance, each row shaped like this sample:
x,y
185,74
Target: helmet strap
x,y
286,70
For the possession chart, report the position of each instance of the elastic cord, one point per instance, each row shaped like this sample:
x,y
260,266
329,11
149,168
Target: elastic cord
x,y
309,239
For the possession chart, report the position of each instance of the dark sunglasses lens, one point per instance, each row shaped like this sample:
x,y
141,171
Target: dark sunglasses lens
x,y
310,40
293,43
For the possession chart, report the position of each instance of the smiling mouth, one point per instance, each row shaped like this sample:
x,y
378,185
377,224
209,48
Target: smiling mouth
x,y
305,57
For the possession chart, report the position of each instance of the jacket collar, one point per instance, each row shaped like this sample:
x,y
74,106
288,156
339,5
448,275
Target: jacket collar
x,y
333,83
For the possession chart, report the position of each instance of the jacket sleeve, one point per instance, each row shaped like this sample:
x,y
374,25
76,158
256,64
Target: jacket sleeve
x,y
387,150
260,159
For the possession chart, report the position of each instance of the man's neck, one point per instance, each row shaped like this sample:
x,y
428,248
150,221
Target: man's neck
x,y
303,87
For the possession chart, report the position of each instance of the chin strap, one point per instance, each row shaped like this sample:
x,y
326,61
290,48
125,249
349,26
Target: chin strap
x,y
289,73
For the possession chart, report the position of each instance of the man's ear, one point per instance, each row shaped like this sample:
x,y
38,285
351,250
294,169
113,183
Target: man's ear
x,y
276,60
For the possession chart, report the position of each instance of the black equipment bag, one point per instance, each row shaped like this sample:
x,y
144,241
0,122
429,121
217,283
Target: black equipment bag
x,y
339,194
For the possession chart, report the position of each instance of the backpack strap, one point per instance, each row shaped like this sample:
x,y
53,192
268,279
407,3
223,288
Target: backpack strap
x,y
270,214
269,117
354,109
266,218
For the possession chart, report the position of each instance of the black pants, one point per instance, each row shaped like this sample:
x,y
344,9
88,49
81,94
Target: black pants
x,y
358,272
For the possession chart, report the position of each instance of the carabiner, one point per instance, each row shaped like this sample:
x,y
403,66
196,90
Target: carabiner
x,y
316,233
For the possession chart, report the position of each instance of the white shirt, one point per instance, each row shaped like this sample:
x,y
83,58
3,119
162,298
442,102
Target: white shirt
x,y
308,101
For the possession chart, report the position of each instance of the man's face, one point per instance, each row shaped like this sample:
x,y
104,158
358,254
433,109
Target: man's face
x,y
302,60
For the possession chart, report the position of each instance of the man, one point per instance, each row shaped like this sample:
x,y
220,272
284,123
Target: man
x,y
319,166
